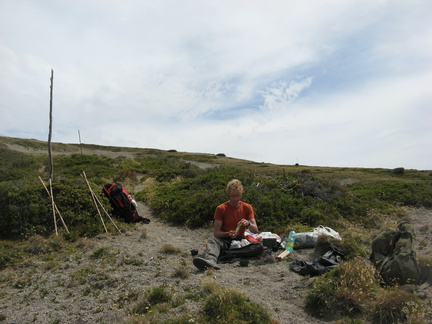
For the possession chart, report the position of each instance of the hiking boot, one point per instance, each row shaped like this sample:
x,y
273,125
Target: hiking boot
x,y
204,264
143,220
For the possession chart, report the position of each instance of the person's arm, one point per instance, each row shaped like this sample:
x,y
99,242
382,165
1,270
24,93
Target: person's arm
x,y
253,227
217,230
249,220
250,224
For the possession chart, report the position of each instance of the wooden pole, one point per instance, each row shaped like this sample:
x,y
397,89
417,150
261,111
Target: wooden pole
x,y
50,126
106,213
94,201
53,209
103,208
79,137
55,205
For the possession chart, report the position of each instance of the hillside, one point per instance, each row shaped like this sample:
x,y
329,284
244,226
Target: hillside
x,y
101,279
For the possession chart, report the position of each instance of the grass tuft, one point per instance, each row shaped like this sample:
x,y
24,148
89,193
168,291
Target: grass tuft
x,y
181,272
171,249
226,306
398,306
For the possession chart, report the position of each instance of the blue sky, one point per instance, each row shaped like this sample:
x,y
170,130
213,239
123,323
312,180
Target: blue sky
x,y
314,82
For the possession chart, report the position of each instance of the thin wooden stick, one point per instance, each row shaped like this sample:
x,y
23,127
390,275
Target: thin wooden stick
x,y
55,206
50,126
106,213
94,201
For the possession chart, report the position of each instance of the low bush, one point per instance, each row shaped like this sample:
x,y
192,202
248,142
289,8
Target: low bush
x,y
347,290
184,194
15,165
97,167
353,289
152,297
9,254
397,306
226,306
27,209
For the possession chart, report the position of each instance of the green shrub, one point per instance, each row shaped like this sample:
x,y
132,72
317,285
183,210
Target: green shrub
x,y
301,198
395,193
398,171
397,306
226,306
187,195
126,176
27,209
150,300
348,290
8,254
190,201
96,167
37,245
17,166
353,290
158,295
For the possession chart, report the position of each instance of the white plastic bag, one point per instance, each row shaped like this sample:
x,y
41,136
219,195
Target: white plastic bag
x,y
321,230
239,244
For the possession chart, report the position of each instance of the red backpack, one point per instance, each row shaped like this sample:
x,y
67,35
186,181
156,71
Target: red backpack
x,y
122,203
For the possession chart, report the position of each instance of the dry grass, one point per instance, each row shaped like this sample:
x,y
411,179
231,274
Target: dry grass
x,y
209,284
398,306
181,272
171,249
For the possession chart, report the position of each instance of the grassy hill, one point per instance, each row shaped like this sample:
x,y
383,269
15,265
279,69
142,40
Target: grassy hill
x,y
184,188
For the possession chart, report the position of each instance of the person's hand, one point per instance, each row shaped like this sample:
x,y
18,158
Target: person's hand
x,y
244,222
232,234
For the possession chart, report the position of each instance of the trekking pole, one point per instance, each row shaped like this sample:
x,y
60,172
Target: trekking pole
x,y
53,209
94,201
55,206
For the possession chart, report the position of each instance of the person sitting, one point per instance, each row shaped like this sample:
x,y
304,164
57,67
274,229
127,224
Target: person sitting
x,y
231,219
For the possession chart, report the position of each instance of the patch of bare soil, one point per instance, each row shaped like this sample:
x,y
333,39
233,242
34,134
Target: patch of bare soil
x,y
73,149
77,288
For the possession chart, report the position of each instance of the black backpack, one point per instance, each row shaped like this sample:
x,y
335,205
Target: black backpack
x,y
394,257
122,204
254,249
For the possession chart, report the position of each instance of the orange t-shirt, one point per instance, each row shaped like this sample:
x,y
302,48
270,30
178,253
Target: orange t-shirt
x,y
230,216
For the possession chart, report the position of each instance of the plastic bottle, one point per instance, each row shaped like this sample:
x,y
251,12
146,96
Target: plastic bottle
x,y
291,239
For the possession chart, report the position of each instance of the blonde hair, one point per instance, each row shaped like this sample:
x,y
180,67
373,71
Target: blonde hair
x,y
234,186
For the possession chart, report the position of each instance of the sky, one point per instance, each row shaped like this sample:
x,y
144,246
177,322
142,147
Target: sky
x,y
339,83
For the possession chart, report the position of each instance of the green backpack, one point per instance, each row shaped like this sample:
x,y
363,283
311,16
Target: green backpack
x,y
394,256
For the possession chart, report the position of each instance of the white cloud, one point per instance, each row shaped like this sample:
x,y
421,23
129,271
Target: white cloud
x,y
315,82
281,95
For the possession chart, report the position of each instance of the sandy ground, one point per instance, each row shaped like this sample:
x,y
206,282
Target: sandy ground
x,y
46,290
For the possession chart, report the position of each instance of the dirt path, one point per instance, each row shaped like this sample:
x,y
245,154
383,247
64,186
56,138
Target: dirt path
x,y
78,289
